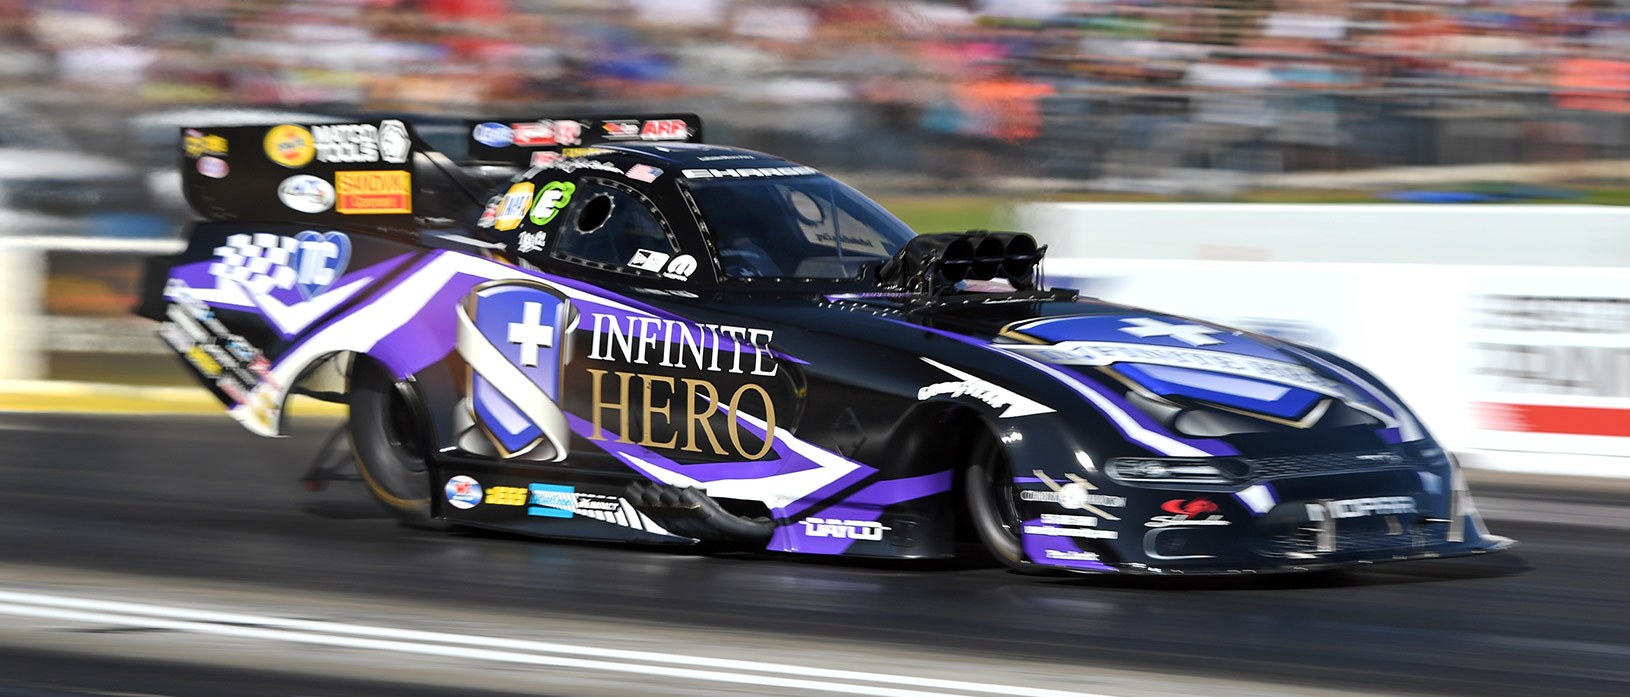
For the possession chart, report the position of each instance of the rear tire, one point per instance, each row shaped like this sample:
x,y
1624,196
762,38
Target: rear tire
x,y
987,486
385,441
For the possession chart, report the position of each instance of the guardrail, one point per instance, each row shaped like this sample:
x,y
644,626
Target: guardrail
x,y
1525,350
70,294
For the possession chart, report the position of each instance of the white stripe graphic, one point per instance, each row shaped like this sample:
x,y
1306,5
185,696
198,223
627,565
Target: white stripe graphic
x,y
500,650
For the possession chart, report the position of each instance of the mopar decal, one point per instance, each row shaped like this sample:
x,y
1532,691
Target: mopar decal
x,y
1360,508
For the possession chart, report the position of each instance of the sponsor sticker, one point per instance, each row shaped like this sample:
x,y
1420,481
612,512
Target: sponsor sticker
x,y
844,529
621,129
664,129
493,134
554,198
648,260
362,192
346,142
1187,512
197,143
463,492
529,242
212,167
306,193
545,133
551,500
290,146
680,267
543,158
1362,508
1084,533
506,496
512,209
394,144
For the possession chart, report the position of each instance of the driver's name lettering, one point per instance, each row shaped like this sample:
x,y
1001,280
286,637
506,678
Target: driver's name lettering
x,y
701,402
718,348
748,172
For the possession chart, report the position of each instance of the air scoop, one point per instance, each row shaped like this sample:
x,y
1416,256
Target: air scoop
x,y
934,264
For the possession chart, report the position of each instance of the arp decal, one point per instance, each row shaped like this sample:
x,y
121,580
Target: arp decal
x,y
513,334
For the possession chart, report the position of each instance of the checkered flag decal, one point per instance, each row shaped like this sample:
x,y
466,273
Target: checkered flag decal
x,y
260,262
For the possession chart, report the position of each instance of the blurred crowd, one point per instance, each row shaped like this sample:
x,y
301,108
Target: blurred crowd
x,y
1076,89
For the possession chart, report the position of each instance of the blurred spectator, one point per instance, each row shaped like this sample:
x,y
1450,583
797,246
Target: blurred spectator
x,y
1069,88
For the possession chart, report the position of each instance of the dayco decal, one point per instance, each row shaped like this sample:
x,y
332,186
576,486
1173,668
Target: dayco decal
x,y
704,347
1187,513
1360,508
844,529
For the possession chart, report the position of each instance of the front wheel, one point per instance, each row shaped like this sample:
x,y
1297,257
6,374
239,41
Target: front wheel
x,y
987,485
384,439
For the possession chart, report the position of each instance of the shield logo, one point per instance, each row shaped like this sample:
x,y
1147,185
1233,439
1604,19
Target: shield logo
x,y
515,336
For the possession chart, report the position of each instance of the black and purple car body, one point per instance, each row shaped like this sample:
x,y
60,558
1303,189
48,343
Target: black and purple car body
x,y
599,328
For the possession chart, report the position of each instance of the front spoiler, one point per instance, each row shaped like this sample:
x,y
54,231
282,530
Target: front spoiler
x,y
1487,544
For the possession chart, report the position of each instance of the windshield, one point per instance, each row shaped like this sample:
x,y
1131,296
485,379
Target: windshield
x,y
796,227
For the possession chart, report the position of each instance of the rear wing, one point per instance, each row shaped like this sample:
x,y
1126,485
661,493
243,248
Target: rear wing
x,y
362,173
381,174
528,143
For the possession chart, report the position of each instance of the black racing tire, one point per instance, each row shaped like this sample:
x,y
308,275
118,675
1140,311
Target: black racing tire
x,y
991,500
386,444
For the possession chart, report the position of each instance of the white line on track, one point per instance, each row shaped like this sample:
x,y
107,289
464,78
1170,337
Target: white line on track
x,y
501,650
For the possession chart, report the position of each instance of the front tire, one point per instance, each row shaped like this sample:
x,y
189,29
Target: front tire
x,y
386,444
987,486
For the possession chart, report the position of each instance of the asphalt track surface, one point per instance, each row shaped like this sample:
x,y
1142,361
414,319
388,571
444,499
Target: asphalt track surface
x,y
192,512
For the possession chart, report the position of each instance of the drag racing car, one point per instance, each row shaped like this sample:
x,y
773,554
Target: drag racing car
x,y
603,328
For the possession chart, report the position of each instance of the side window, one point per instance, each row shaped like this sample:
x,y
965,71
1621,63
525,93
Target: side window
x,y
613,226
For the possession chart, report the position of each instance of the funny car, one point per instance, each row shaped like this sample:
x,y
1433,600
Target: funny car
x,y
604,328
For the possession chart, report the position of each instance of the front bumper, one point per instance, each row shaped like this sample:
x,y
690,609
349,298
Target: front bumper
x,y
1298,523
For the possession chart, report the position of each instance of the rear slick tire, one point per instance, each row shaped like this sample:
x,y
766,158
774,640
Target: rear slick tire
x,y
386,445
987,485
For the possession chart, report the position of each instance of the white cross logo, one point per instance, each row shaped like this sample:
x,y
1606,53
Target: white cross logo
x,y
531,333
1191,334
